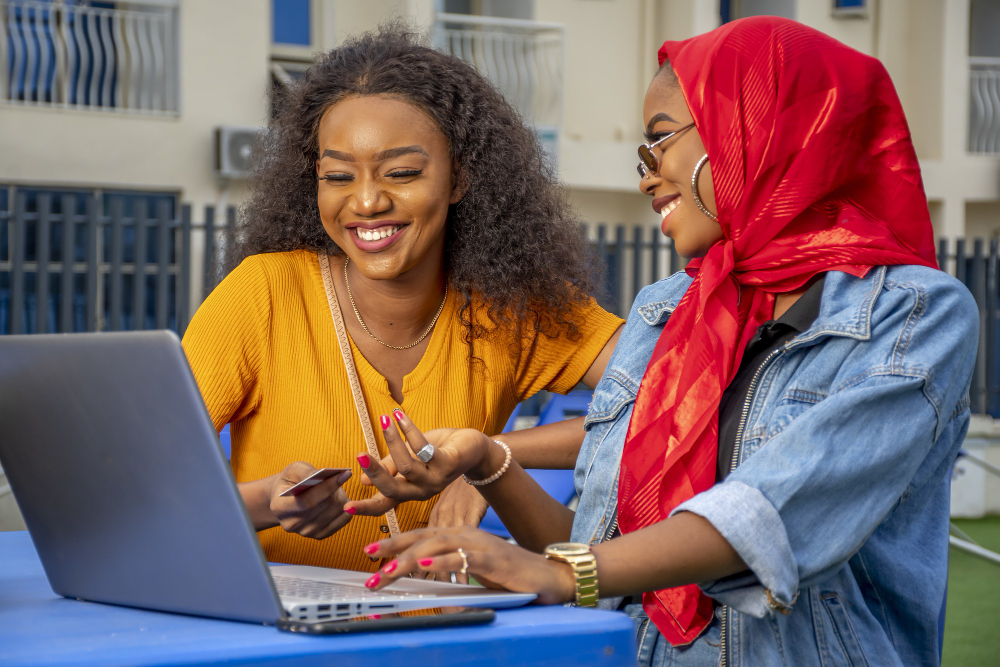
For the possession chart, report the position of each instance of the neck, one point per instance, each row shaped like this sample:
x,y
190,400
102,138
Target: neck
x,y
398,310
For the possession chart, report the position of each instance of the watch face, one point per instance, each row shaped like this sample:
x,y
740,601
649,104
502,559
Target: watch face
x,y
568,549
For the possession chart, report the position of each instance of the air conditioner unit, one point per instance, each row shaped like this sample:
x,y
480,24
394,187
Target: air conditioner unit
x,y
233,147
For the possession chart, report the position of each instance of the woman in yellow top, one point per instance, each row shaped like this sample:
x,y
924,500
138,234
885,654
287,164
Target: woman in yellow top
x,y
462,273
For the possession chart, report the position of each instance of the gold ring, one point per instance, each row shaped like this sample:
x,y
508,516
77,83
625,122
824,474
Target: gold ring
x,y
465,561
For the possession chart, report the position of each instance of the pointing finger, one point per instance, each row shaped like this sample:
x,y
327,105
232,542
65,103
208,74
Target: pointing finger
x,y
414,436
406,464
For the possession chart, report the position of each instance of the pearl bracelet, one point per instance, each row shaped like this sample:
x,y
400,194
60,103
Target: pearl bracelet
x,y
495,476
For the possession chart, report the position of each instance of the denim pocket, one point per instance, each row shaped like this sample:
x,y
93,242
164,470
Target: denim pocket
x,y
792,405
843,632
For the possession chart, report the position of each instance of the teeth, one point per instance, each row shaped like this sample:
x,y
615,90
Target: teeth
x,y
375,234
666,210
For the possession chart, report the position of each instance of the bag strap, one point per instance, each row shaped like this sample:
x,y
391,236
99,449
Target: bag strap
x,y
352,373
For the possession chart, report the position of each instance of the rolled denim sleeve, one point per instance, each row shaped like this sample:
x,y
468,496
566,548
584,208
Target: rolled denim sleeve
x,y
803,504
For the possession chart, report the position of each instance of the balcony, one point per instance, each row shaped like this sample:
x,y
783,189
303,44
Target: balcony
x,y
524,59
984,106
65,54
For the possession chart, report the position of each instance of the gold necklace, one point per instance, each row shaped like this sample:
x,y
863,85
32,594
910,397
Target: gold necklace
x,y
368,331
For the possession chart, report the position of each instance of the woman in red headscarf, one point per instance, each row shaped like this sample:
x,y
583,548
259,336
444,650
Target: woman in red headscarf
x,y
765,475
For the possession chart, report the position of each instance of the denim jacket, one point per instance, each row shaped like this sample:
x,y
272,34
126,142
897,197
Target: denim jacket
x,y
840,501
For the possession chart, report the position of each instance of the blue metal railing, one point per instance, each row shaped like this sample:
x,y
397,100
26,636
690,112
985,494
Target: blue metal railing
x,y
69,261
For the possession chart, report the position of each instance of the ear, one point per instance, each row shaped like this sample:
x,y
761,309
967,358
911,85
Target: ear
x,y
459,185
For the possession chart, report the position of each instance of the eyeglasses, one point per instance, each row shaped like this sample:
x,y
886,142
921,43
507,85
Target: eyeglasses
x,y
649,162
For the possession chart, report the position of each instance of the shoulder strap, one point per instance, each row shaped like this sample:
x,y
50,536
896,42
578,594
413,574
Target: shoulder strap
x,y
352,373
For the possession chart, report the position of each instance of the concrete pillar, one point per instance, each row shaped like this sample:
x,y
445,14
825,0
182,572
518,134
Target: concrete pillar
x,y
955,112
328,24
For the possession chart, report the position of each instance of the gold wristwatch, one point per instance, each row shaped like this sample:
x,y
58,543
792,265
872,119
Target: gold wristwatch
x,y
578,557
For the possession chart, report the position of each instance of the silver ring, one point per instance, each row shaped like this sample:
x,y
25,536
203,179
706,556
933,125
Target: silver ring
x,y
465,561
426,453
694,187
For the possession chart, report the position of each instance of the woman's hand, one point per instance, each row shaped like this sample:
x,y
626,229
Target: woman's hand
x,y
456,451
317,512
460,505
494,562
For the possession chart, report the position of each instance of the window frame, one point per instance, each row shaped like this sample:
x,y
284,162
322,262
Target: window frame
x,y
295,52
850,12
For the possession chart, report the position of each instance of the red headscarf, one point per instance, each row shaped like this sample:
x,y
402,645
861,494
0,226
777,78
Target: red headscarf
x,y
814,171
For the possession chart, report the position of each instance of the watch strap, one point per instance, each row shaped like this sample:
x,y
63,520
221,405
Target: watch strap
x,y
585,572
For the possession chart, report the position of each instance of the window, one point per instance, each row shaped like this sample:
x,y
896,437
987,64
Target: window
x,y
984,29
505,9
735,9
850,8
297,29
291,22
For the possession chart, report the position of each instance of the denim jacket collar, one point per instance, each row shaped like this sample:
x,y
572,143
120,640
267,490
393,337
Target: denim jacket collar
x,y
839,315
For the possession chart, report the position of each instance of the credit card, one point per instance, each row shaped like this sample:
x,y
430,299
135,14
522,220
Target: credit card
x,y
312,480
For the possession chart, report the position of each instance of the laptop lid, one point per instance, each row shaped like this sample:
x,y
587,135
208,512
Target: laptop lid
x,y
118,472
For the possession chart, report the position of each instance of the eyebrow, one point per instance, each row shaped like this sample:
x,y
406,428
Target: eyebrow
x,y
381,156
656,119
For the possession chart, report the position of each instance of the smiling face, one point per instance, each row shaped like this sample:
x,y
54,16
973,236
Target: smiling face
x,y
664,110
385,183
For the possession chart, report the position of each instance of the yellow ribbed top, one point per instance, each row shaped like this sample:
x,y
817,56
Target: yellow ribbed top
x,y
264,352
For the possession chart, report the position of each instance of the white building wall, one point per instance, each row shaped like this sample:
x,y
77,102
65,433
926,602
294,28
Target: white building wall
x,y
224,75
224,52
610,58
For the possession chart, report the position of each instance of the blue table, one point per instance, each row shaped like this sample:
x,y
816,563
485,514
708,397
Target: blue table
x,y
38,627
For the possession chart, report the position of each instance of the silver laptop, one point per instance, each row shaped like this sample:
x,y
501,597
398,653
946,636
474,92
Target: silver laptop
x,y
129,499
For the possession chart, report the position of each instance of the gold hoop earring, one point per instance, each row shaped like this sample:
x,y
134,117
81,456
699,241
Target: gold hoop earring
x,y
694,187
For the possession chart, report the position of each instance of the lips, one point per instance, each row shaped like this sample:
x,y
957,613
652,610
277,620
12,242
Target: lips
x,y
666,202
665,206
377,235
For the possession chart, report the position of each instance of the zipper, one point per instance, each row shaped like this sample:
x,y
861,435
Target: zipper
x,y
611,529
643,628
751,393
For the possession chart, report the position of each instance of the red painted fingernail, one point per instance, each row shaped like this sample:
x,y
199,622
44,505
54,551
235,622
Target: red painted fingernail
x,y
373,582
384,420
398,414
426,562
371,548
390,566
350,510
364,461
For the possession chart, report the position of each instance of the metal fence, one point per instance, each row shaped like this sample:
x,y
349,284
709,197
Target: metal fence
x,y
66,54
72,263
635,257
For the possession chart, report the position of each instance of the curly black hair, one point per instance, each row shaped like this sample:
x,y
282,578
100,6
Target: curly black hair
x,y
512,241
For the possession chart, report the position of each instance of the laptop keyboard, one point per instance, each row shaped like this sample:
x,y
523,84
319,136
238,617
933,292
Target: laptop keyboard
x,y
327,592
